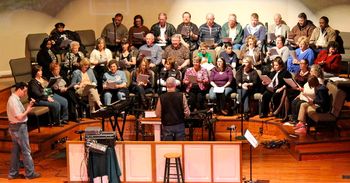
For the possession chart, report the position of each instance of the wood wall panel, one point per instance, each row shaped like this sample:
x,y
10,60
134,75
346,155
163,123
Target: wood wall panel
x,y
138,162
226,156
197,163
160,160
77,163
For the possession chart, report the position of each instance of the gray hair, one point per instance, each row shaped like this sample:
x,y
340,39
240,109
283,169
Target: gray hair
x,y
170,82
150,35
74,43
176,36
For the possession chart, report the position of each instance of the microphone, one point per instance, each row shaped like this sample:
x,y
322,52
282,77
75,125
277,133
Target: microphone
x,y
113,20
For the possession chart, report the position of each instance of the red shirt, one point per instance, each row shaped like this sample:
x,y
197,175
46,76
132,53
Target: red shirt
x,y
332,62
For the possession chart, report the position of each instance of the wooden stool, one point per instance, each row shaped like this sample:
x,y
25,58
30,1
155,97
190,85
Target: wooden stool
x,y
177,165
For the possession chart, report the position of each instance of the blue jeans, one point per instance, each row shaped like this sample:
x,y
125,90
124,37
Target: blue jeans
x,y
245,99
221,98
177,131
109,94
20,143
58,108
237,46
212,95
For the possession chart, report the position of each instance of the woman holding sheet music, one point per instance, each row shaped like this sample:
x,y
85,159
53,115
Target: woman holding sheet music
x,y
330,59
46,56
127,55
250,48
142,81
114,83
300,79
85,83
279,50
169,71
196,80
62,88
275,89
303,52
43,96
99,59
221,78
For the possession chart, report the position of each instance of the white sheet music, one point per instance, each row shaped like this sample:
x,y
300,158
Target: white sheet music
x,y
251,139
219,89
291,82
266,79
150,114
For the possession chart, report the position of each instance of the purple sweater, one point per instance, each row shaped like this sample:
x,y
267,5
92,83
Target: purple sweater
x,y
221,79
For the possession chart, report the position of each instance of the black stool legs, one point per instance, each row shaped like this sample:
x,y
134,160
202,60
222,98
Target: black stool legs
x,y
177,165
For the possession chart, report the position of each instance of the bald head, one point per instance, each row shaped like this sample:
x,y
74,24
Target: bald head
x,y
277,18
210,19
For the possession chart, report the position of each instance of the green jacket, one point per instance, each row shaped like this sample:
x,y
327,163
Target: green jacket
x,y
225,31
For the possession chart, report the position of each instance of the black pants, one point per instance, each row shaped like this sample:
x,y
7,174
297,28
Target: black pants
x,y
295,108
99,71
73,102
268,97
197,98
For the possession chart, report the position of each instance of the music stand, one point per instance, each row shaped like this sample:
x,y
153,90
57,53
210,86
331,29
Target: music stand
x,y
253,143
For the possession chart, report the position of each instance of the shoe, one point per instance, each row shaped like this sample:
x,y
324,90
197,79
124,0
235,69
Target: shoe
x,y
59,124
288,124
285,119
299,125
64,122
246,117
301,130
18,176
262,115
34,176
224,112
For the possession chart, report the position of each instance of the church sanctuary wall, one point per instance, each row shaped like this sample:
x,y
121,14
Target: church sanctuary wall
x,y
16,22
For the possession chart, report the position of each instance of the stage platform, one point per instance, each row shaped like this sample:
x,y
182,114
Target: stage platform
x,y
326,145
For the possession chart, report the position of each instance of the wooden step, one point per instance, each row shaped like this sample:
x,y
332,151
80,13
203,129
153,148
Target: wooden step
x,y
4,130
321,150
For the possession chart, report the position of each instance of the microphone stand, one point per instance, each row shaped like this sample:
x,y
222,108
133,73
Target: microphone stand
x,y
190,42
241,137
115,39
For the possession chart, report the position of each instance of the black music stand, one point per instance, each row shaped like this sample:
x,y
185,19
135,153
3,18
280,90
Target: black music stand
x,y
252,143
114,110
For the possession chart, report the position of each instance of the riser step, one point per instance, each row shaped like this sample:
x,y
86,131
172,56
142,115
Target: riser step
x,y
324,147
304,157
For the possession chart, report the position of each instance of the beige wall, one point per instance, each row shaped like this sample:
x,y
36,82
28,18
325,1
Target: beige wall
x,y
94,14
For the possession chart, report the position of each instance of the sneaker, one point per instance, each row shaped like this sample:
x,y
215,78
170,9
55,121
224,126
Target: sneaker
x,y
299,125
288,124
18,176
301,130
34,176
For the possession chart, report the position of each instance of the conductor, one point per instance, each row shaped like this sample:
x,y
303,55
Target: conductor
x,y
172,108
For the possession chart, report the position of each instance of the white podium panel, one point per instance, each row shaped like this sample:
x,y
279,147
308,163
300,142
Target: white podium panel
x,y
120,153
138,162
197,163
144,161
77,163
226,163
162,149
